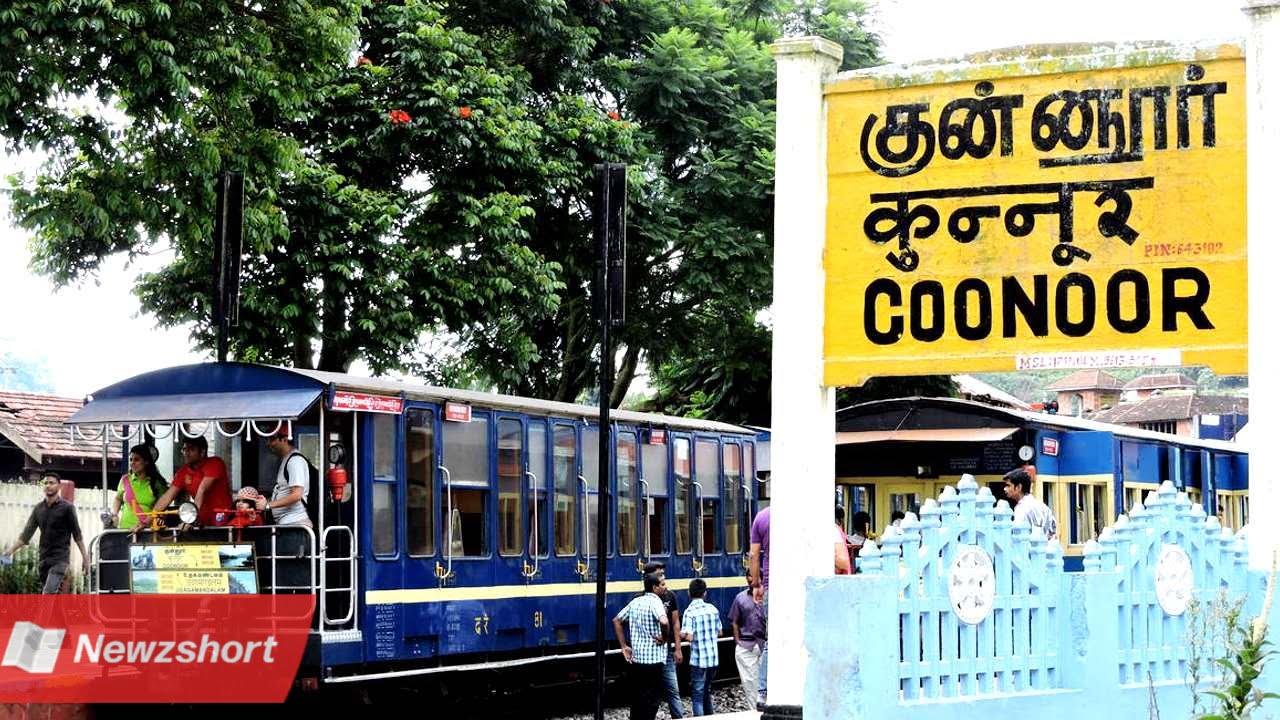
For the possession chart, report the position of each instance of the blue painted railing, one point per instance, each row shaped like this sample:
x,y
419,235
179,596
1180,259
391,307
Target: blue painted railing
x,y
963,610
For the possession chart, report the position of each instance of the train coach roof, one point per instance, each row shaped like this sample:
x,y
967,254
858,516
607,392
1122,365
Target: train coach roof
x,y
947,411
511,402
244,391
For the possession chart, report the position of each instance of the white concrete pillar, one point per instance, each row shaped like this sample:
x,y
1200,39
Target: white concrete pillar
x,y
1262,74
803,418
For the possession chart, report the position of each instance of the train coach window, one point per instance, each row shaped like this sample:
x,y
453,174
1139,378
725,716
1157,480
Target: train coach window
x,y
1089,506
420,468
591,472
732,464
384,484
683,495
510,471
466,454
538,519
707,469
384,523
655,478
565,470
628,478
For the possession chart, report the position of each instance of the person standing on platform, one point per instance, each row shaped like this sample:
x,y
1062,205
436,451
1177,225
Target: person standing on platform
x,y
746,616
1028,507
760,578
702,627
675,655
646,653
56,520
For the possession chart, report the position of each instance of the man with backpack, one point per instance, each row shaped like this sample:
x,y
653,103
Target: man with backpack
x,y
288,503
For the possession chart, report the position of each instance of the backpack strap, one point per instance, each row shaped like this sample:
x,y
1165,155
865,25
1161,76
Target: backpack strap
x,y
302,499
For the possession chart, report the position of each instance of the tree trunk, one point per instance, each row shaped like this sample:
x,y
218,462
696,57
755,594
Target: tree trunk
x,y
565,391
301,348
335,355
626,373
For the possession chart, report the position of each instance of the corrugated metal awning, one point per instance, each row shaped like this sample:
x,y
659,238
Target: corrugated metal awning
x,y
939,435
286,404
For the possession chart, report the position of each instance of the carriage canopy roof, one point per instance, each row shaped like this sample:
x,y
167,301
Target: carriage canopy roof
x,y
243,391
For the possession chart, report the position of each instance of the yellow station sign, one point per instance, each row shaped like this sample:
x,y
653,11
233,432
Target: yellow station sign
x,y
1038,215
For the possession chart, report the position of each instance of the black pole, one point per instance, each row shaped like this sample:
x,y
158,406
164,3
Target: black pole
x,y
610,230
228,224
602,512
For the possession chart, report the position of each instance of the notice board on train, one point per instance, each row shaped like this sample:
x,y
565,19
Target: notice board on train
x,y
1079,211
193,569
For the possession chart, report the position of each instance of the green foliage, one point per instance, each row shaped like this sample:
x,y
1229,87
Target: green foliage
x,y
1237,695
23,576
1245,653
423,168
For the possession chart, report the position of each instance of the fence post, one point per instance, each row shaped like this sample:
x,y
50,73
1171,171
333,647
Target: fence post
x,y
1094,601
853,674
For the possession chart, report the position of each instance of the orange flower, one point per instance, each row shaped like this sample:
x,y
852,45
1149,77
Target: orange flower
x,y
399,117
614,115
465,112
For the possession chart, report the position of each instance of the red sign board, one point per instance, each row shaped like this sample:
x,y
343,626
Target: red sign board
x,y
366,403
1049,447
657,437
152,648
457,412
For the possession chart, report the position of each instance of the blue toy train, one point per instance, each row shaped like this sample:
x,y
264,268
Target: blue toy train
x,y
464,537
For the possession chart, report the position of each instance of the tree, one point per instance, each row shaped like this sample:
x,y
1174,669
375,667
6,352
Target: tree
x,y
343,260
693,84
420,168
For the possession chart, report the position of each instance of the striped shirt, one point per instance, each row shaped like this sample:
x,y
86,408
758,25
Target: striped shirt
x,y
702,621
644,616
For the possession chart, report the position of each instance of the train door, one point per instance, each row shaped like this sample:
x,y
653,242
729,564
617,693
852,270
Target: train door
x,y
655,499
683,505
381,531
708,544
568,622
589,477
538,569
469,533
514,566
336,533
627,510
734,505
423,624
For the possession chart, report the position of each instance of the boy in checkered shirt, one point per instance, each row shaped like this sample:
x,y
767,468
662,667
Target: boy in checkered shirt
x,y
701,626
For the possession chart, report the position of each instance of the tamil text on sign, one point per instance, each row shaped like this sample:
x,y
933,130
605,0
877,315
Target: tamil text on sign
x,y
1038,214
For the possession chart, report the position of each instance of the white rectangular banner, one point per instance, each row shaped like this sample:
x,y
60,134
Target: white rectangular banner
x,y
1117,359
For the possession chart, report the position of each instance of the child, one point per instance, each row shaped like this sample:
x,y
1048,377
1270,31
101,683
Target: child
x,y
245,512
701,626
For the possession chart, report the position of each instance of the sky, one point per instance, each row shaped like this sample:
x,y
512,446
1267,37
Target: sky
x,y
92,335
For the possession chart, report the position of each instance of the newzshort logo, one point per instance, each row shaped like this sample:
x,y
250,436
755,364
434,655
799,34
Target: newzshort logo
x,y
112,652
33,648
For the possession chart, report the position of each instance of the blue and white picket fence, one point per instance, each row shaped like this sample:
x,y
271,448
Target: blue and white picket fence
x,y
963,610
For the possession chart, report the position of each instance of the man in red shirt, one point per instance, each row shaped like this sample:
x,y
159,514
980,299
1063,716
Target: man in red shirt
x,y
203,478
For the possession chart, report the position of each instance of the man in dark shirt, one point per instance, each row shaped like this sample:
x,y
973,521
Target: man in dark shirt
x,y
674,652
55,518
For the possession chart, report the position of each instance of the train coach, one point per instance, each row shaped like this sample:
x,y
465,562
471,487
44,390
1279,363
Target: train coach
x,y
892,455
453,530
